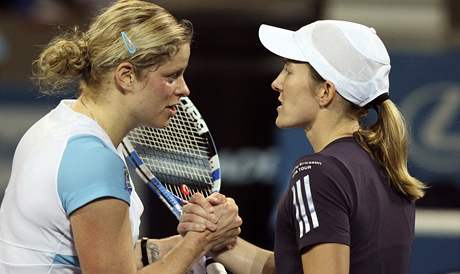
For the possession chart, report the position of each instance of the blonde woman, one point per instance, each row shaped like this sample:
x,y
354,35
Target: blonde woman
x,y
68,207
349,208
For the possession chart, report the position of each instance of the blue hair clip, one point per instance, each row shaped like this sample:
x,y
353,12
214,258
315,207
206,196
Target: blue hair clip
x,y
128,43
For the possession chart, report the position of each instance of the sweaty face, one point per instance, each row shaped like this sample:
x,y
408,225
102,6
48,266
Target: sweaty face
x,y
298,106
160,89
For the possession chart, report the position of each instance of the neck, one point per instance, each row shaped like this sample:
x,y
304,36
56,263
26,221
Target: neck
x,y
323,131
109,117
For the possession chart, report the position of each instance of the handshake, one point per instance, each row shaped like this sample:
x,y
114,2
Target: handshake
x,y
213,221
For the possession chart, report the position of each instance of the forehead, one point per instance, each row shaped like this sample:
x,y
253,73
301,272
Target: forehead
x,y
293,62
296,65
180,60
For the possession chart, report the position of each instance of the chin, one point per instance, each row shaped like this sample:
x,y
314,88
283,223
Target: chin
x,y
158,123
279,123
165,124
286,124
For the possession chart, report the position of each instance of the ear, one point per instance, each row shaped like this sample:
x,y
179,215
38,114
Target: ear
x,y
326,93
124,77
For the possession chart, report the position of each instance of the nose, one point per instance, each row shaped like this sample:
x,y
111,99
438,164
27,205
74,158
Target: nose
x,y
182,89
277,83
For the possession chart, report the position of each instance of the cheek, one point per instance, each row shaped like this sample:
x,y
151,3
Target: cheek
x,y
305,102
163,90
156,93
310,105
309,112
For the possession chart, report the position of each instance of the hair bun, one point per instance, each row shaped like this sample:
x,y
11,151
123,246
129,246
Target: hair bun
x,y
62,62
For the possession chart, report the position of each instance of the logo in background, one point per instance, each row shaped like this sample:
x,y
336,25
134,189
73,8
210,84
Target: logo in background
x,y
433,116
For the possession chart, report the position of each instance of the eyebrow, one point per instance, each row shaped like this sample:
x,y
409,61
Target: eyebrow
x,y
286,61
175,70
182,70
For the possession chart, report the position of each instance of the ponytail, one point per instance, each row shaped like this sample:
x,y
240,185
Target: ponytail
x,y
386,141
63,62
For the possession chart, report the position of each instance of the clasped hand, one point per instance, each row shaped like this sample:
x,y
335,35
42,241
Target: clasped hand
x,y
215,215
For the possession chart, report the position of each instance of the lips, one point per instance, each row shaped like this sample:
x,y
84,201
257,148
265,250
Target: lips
x,y
172,109
280,105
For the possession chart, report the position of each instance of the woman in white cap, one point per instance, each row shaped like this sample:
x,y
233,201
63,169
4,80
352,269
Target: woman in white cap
x,y
350,206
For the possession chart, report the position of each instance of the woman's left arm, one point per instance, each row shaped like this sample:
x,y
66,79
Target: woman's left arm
x,y
154,249
328,258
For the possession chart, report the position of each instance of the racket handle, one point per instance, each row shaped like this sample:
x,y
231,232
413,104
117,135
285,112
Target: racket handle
x,y
213,267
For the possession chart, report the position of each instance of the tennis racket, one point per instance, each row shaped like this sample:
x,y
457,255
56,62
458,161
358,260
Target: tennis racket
x,y
176,161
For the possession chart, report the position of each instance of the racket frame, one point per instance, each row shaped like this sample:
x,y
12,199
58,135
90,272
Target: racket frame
x,y
172,201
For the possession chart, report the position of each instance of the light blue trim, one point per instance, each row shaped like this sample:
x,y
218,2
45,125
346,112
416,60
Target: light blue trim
x,y
90,170
66,260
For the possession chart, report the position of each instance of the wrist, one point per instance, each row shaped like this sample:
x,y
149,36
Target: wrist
x,y
144,252
197,242
153,251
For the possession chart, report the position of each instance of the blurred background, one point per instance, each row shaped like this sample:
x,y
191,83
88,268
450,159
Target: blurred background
x,y
229,77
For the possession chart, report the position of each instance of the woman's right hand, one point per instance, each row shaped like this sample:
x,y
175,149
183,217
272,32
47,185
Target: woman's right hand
x,y
228,226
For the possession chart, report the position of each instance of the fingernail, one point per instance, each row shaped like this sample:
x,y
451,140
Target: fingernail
x,y
211,226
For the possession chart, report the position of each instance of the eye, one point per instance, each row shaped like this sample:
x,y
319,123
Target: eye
x,y
173,77
287,70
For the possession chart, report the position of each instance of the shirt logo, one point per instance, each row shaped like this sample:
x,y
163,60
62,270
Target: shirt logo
x,y
128,185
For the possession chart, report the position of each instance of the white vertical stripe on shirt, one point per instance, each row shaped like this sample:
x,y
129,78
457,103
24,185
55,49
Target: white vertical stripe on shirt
x,y
297,216
311,206
303,212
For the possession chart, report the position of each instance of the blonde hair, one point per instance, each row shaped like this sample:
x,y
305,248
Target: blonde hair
x,y
386,141
88,56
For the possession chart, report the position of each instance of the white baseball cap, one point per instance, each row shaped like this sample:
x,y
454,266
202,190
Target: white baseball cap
x,y
350,55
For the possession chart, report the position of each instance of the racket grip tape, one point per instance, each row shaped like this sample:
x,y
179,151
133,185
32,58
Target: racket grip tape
x,y
213,267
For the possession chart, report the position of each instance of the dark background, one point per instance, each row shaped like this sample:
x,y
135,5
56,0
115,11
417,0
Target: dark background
x,y
229,77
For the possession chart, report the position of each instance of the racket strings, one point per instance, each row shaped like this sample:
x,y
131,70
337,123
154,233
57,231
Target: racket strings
x,y
171,140
177,155
177,167
186,196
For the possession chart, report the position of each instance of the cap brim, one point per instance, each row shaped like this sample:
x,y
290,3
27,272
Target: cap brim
x,y
281,42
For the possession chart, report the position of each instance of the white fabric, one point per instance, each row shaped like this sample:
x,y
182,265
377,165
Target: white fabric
x,y
350,55
34,226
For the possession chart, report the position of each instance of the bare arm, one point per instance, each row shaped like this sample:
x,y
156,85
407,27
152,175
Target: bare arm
x,y
155,248
327,259
102,235
246,258
180,257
